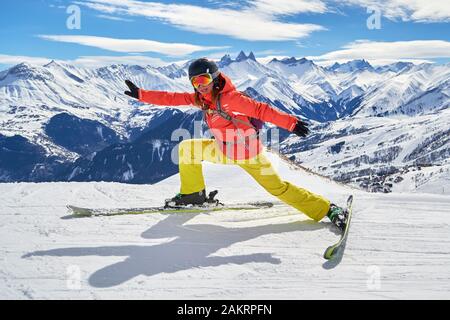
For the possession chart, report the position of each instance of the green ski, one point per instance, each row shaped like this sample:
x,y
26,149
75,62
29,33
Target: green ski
x,y
331,251
86,212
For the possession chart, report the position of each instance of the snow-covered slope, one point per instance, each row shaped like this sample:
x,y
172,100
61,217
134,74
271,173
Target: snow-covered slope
x,y
351,66
312,81
419,90
65,112
31,95
376,152
398,246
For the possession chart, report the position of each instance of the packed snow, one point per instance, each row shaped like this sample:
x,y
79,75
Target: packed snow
x,y
398,246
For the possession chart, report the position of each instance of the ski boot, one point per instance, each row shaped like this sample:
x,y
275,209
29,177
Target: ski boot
x,y
338,216
193,199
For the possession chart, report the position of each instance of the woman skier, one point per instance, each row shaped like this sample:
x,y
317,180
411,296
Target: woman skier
x,y
228,114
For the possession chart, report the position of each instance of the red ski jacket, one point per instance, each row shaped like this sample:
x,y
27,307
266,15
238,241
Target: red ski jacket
x,y
237,140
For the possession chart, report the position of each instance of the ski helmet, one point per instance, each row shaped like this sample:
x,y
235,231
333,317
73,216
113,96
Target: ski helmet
x,y
203,65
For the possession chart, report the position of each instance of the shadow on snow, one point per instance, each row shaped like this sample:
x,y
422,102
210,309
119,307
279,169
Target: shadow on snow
x,y
193,247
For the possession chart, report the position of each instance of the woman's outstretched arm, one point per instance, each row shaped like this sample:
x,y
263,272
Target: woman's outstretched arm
x,y
259,110
164,98
161,98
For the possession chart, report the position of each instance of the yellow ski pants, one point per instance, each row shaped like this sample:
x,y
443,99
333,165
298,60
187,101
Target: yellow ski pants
x,y
193,151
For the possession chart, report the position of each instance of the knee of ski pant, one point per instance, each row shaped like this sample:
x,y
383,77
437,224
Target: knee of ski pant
x,y
187,151
277,190
273,185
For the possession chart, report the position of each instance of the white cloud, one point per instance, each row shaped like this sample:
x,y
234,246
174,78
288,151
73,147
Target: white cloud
x,y
219,55
266,12
57,7
256,20
104,16
274,7
264,53
408,10
131,45
389,51
86,61
287,7
100,61
11,60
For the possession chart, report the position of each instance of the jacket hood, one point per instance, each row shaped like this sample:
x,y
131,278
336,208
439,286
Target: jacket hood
x,y
229,86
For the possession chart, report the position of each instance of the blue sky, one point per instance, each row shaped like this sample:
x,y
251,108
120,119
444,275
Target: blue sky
x,y
158,32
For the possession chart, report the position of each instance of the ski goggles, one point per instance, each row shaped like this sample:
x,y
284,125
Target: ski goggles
x,y
202,79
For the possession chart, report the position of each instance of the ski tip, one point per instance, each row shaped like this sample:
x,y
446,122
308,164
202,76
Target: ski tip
x,y
329,253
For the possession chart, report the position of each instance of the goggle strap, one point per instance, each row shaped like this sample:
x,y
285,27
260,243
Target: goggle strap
x,y
213,75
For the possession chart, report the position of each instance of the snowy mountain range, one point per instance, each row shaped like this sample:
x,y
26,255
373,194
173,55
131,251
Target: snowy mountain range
x,y
371,126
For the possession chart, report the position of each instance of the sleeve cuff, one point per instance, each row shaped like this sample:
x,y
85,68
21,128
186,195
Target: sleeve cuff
x,y
293,126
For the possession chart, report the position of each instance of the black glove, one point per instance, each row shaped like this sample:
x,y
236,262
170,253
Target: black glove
x,y
134,90
301,129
